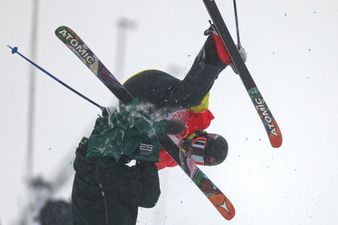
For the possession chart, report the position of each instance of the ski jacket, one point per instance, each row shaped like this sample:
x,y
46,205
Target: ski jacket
x,y
111,194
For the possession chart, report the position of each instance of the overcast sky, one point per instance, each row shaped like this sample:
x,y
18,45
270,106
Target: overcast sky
x,y
292,56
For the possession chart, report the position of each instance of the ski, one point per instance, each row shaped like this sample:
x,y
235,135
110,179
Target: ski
x,y
270,124
208,188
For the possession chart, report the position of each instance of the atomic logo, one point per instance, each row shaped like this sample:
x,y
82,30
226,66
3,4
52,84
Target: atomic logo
x,y
81,49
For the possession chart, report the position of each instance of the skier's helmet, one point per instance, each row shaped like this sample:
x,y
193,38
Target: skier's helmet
x,y
216,150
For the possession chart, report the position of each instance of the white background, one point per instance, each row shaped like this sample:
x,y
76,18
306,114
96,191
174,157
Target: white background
x,y
292,55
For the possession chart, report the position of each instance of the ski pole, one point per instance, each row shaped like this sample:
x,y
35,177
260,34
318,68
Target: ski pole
x,y
237,26
15,50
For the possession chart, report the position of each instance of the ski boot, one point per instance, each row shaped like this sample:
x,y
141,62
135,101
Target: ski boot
x,y
205,148
220,49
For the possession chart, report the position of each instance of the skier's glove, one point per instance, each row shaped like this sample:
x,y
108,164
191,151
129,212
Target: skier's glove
x,y
243,54
173,127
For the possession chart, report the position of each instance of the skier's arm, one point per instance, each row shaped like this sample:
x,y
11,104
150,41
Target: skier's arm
x,y
149,184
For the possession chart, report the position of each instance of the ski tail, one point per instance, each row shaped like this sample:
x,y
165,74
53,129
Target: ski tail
x,y
212,192
216,197
209,189
270,124
82,51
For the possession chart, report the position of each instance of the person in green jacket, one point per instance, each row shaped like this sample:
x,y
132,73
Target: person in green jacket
x,y
107,190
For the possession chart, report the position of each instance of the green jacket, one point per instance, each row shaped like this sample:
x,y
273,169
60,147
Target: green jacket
x,y
128,132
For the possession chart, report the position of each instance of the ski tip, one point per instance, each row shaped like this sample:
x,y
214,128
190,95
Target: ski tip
x,y
276,140
61,28
223,205
276,143
13,50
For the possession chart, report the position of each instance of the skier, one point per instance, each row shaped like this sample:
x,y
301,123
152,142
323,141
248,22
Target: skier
x,y
106,189
188,101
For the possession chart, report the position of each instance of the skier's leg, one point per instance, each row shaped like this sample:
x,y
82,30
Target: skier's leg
x,y
200,78
164,90
211,60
